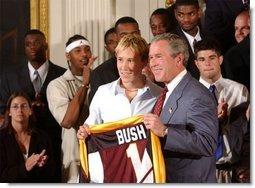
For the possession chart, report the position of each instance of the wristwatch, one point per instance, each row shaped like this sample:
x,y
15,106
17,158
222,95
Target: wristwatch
x,y
87,86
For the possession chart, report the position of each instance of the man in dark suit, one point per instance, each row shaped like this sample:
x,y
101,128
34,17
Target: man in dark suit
x,y
188,14
237,62
219,20
187,124
22,78
107,71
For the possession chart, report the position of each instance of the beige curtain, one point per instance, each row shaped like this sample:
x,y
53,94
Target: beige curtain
x,y
90,19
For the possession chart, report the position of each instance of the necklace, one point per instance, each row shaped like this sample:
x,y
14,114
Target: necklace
x,y
131,90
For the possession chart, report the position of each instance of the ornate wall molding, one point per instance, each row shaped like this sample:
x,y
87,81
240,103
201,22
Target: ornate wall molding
x,y
169,3
39,16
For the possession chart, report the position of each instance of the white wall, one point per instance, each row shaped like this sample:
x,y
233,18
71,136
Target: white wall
x,y
57,32
92,18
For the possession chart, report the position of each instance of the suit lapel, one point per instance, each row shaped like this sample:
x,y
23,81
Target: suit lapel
x,y
49,77
182,35
172,101
24,80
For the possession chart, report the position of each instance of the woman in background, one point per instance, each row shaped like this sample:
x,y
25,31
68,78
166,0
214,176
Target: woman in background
x,y
26,154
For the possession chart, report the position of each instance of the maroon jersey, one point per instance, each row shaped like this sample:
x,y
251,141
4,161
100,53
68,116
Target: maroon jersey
x,y
120,156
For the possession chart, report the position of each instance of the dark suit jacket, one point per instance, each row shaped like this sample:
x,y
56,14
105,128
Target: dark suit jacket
x,y
103,74
18,79
191,66
237,63
238,131
190,114
219,20
12,164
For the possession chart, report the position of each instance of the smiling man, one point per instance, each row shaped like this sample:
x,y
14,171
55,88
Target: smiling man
x,y
187,124
67,102
242,25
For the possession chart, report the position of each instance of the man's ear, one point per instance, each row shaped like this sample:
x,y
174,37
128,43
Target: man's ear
x,y
106,47
199,12
175,13
196,62
180,59
221,59
139,32
46,46
68,56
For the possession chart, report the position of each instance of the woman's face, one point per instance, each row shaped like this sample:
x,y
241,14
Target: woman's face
x,y
20,110
129,65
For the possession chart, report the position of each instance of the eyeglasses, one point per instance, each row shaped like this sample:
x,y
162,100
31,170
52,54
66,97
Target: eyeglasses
x,y
21,106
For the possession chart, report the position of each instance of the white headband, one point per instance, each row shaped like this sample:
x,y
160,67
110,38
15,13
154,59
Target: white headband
x,y
76,44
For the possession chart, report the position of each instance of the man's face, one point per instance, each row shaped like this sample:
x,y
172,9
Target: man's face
x,y
188,17
158,24
242,27
35,48
163,66
111,43
127,28
208,63
79,57
129,65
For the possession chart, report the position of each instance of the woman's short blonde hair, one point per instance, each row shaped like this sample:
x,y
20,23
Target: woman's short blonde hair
x,y
136,43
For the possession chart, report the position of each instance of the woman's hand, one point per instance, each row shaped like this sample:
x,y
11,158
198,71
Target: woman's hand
x,y
36,159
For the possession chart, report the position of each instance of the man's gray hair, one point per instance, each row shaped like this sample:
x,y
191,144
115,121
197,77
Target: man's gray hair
x,y
176,45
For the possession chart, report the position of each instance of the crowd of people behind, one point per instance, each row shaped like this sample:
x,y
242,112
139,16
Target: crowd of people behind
x,y
191,84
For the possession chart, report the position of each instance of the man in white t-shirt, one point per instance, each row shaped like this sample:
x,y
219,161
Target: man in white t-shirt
x,y
67,99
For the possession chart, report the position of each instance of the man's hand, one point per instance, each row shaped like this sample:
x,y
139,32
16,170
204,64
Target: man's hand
x,y
37,103
243,175
222,109
83,132
248,112
154,123
87,70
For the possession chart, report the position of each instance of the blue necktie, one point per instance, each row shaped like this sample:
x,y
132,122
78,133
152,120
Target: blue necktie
x,y
212,89
219,150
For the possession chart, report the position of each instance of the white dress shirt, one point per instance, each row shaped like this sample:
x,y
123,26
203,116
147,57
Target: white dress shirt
x,y
172,85
191,39
228,90
42,70
111,104
233,93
